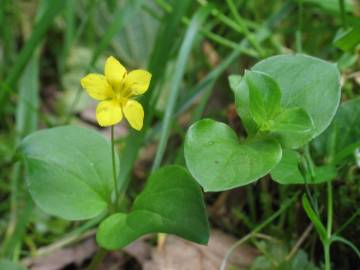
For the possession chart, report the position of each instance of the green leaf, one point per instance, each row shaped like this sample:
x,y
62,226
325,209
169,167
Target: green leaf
x,y
264,97
291,123
69,171
171,202
9,265
287,170
343,136
218,161
347,39
305,82
234,81
292,120
324,173
115,233
314,218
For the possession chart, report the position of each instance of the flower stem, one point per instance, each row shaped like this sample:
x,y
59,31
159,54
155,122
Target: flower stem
x,y
99,256
114,170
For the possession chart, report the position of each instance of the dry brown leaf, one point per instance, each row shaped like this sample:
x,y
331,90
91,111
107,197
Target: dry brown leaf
x,y
179,254
62,257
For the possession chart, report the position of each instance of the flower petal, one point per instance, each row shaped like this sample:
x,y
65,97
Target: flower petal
x,y
97,86
114,72
108,113
138,81
134,113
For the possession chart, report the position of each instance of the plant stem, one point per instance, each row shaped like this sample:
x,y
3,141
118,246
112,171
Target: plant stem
x,y
298,34
99,256
327,243
270,219
114,169
329,209
244,28
342,13
327,255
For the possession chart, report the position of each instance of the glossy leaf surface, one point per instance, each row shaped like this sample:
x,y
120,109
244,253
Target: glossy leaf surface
x,y
306,82
172,202
218,161
69,171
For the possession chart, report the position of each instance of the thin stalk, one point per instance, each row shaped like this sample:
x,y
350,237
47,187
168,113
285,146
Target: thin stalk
x,y
251,201
327,256
342,13
244,28
327,243
348,222
299,242
270,219
99,256
210,35
309,174
114,169
298,35
329,209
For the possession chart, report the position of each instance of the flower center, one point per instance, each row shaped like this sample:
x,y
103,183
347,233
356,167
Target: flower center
x,y
122,93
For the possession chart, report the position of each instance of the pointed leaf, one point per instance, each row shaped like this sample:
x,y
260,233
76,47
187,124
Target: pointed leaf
x,y
264,97
347,39
314,218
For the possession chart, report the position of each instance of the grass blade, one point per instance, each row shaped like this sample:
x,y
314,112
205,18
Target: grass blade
x,y
179,71
159,59
37,35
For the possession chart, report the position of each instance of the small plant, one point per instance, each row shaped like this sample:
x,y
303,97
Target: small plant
x,y
284,102
278,102
71,173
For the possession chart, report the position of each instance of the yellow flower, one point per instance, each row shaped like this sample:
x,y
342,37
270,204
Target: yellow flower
x,y
115,91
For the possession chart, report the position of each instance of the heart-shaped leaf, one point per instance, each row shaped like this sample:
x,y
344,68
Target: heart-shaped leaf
x,y
306,82
218,161
69,171
172,202
264,97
